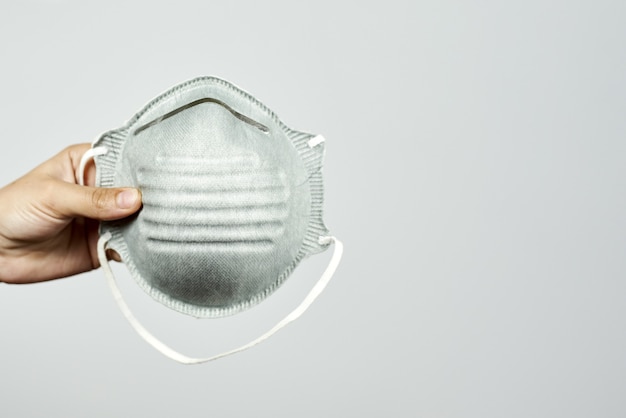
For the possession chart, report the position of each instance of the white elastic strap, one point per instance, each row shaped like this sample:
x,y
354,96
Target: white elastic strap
x,y
174,355
88,156
315,141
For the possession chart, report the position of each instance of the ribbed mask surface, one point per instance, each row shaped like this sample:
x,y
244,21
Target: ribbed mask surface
x,y
232,198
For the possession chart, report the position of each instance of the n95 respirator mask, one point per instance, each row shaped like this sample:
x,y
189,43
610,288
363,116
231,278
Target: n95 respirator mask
x,y
232,202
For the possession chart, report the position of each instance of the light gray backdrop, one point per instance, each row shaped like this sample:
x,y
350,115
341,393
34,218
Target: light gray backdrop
x,y
475,171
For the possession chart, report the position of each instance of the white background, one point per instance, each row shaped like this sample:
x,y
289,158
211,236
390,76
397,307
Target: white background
x,y
474,169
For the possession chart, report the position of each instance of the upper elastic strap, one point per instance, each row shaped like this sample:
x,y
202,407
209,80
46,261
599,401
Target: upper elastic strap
x,y
174,355
88,156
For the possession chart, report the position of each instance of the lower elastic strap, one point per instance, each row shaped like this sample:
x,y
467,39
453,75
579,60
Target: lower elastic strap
x,y
174,355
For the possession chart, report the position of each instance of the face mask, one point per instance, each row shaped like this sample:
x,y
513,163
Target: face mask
x,y
232,202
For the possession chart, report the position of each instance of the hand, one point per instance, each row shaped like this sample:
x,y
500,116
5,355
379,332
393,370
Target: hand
x,y
49,224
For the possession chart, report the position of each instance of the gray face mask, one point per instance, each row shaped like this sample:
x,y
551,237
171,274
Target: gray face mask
x,y
232,202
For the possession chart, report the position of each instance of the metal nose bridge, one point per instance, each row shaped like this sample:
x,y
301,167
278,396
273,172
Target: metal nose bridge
x,y
236,114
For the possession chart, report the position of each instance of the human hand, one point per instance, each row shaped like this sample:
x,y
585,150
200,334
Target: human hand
x,y
49,224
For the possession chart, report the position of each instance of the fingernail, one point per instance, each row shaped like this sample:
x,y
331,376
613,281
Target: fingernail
x,y
127,198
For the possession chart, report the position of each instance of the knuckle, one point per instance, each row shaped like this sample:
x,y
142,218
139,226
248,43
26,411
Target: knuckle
x,y
75,152
70,149
100,199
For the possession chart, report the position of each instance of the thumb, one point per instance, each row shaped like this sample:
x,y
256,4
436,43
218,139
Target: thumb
x,y
103,204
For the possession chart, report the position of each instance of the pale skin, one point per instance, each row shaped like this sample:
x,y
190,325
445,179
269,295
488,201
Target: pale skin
x,y
49,223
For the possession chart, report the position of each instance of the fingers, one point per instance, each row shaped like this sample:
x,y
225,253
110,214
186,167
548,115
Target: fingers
x,y
67,199
104,204
113,255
